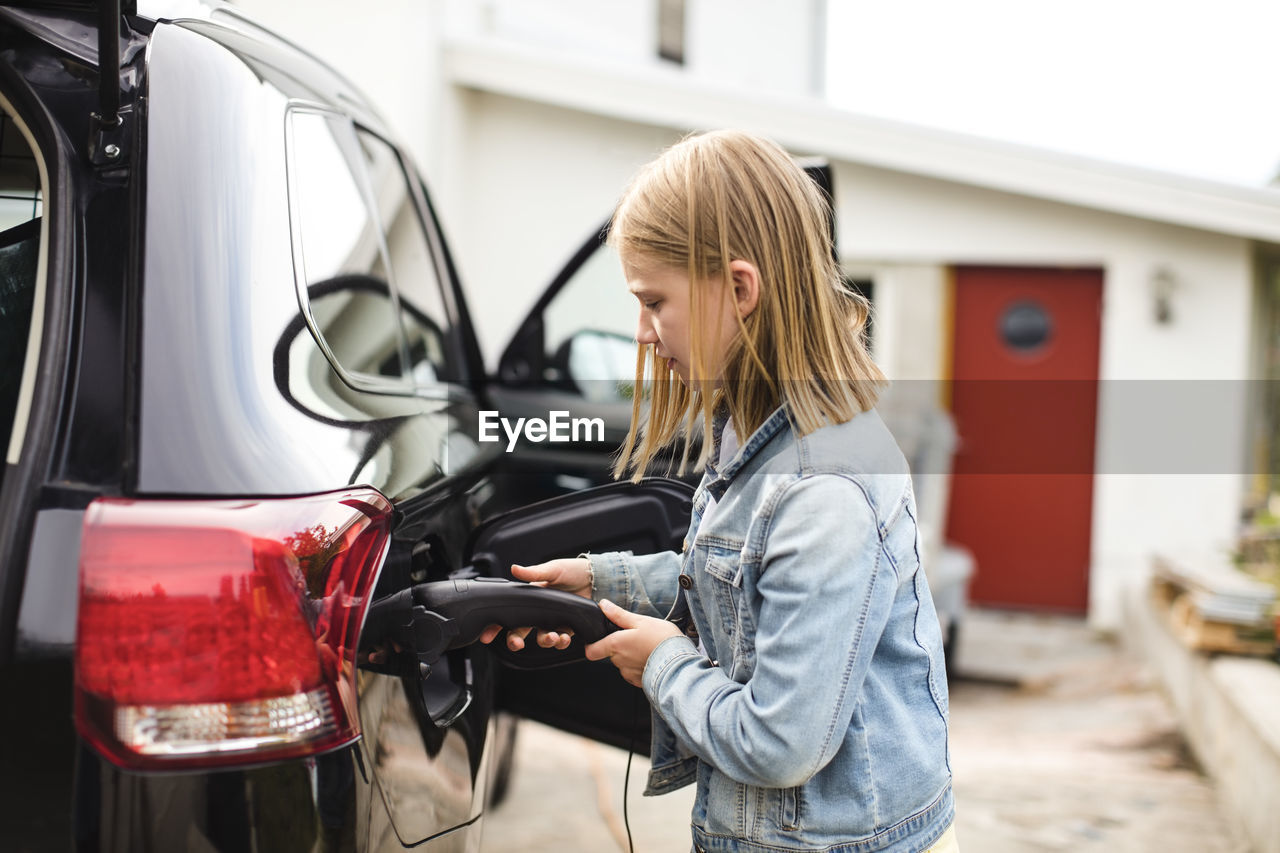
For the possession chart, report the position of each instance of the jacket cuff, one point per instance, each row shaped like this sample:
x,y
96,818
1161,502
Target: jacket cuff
x,y
669,654
611,577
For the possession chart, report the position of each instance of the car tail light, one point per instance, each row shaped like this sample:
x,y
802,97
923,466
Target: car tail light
x,y
224,632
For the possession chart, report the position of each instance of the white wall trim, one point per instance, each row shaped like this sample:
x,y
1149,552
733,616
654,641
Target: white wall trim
x,y
668,97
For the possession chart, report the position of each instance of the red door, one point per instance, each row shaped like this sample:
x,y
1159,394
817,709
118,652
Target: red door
x,y
1024,397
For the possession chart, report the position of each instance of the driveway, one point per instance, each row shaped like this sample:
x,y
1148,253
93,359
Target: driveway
x,y
1060,741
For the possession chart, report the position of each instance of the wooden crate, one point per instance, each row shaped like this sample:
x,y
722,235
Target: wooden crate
x,y
1201,634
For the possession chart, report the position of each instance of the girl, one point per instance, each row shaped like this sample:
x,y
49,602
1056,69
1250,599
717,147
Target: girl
x,y
797,676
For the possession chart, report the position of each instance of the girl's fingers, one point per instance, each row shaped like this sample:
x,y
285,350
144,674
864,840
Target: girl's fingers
x,y
515,638
600,649
555,639
531,574
618,616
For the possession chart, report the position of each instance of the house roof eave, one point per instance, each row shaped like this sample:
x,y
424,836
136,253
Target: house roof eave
x,y
667,97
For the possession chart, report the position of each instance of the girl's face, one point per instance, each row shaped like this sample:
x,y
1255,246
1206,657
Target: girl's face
x,y
666,322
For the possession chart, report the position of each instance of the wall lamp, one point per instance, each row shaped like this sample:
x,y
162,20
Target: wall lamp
x,y
1163,285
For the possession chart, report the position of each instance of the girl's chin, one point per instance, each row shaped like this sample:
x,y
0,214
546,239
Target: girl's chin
x,y
683,375
674,367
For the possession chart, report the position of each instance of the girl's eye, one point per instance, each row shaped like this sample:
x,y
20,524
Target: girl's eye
x,y
653,306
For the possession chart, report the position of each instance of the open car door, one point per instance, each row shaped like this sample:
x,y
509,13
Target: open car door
x,y
576,352
433,623
561,687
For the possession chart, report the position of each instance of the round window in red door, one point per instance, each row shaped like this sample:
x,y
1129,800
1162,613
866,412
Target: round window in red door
x,y
1025,326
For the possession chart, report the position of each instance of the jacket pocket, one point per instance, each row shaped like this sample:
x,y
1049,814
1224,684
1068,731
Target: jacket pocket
x,y
723,568
789,819
721,587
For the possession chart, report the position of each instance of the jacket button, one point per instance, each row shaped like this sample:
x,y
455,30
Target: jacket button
x,y
686,582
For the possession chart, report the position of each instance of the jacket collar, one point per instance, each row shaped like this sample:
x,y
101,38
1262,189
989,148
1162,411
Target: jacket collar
x,y
718,479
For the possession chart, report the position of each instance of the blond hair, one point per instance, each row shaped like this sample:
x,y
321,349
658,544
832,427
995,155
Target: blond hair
x,y
718,197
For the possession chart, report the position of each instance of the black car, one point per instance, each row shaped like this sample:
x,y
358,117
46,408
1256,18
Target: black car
x,y
244,402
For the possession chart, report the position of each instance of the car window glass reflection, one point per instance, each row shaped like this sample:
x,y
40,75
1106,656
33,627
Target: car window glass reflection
x,y
338,239
413,271
590,331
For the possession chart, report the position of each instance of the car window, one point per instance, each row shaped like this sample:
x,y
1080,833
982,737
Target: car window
x,y
413,268
595,297
21,207
588,322
20,197
590,330
367,276
590,325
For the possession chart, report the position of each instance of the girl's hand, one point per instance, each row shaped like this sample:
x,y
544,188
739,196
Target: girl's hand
x,y
629,649
571,575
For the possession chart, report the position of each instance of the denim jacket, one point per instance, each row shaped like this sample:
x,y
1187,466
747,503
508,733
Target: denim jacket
x,y
807,697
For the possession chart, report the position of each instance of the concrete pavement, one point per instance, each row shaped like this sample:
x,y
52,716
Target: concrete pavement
x,y
1060,741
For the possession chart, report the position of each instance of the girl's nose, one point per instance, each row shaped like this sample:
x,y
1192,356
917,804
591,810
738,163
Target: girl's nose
x,y
645,333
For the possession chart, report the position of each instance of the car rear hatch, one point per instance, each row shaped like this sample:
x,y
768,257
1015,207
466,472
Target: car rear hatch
x,y
23,236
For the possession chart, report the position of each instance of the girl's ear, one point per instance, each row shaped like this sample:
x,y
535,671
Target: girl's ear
x,y
746,286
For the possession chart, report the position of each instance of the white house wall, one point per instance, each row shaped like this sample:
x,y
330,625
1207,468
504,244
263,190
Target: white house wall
x,y
570,166
903,226
762,45
404,83
617,29
539,182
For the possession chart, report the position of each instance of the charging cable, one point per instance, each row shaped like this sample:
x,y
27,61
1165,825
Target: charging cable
x,y
626,779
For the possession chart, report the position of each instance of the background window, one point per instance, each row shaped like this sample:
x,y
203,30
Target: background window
x,y
671,30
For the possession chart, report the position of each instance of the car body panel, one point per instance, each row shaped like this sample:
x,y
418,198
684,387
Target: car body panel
x,y
226,360
645,517
176,362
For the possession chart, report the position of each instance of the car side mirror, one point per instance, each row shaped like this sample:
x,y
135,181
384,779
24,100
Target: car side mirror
x,y
600,365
